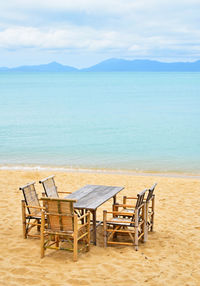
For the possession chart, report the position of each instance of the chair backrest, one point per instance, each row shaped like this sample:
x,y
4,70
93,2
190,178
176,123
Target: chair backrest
x,y
140,198
59,213
49,187
150,193
31,198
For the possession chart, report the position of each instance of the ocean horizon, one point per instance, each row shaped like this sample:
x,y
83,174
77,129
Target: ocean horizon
x,y
108,120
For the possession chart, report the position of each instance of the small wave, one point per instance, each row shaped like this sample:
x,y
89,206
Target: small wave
x,y
101,171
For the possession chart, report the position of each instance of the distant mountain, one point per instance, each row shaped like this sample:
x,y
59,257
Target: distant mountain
x,y
114,65
144,66
51,67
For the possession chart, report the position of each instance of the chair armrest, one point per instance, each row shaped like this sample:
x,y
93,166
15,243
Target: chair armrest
x,y
112,219
121,221
124,205
125,198
120,213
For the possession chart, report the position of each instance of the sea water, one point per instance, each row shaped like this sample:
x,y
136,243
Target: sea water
x,y
114,120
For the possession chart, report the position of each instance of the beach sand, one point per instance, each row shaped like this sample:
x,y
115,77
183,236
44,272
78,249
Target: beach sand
x,y
171,256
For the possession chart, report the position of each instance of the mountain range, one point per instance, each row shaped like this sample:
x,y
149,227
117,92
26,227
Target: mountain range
x,y
112,65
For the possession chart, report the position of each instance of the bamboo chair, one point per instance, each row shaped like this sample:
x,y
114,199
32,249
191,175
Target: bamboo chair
x,y
150,209
121,222
129,204
31,210
64,230
50,187
51,190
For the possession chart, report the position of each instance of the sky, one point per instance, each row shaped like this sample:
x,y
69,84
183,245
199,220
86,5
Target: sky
x,y
81,33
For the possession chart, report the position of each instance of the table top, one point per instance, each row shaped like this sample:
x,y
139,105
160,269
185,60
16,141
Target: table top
x,y
92,196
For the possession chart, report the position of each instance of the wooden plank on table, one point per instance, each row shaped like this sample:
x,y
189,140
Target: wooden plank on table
x,y
81,192
92,196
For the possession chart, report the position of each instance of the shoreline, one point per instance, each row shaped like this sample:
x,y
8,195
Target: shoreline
x,y
167,174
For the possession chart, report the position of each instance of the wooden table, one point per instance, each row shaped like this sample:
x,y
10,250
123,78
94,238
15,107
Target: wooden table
x,y
90,197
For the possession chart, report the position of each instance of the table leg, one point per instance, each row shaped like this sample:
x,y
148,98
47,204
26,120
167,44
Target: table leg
x,y
114,209
94,226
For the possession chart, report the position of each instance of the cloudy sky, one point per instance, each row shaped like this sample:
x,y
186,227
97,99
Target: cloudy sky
x,y
81,33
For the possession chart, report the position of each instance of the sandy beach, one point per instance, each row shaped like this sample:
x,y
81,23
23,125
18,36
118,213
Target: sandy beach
x,y
171,256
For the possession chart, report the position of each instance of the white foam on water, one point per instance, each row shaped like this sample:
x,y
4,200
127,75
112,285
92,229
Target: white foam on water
x,y
100,171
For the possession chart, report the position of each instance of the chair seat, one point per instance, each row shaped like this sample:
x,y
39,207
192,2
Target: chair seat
x,y
126,220
50,231
120,221
63,226
131,211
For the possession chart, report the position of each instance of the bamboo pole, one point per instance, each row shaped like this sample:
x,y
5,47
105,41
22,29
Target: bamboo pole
x,y
136,229
34,235
105,228
153,208
24,219
144,217
120,230
88,230
75,237
120,243
124,200
57,241
42,234
83,235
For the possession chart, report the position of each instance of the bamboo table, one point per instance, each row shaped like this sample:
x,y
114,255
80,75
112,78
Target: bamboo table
x,y
90,197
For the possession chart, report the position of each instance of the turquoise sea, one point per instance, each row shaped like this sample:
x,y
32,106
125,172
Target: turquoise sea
x,y
115,120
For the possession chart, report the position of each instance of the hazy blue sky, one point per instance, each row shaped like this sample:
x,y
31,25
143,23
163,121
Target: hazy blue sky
x,y
84,32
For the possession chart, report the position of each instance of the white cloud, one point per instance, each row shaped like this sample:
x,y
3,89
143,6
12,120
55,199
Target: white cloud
x,y
122,28
66,38
90,39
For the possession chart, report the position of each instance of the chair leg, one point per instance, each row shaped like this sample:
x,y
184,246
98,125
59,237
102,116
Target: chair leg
x,y
136,239
153,209
42,234
75,250
136,229
57,240
144,217
24,219
88,230
114,208
124,200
